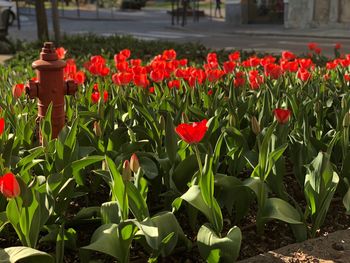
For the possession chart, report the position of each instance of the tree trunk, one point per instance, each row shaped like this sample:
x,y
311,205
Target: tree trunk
x,y
41,20
56,21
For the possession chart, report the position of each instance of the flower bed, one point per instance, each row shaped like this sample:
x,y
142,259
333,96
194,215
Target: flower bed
x,y
169,158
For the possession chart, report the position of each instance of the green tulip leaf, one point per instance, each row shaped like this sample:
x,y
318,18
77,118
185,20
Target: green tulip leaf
x,y
346,201
24,255
114,240
149,167
184,172
215,249
162,233
170,138
279,209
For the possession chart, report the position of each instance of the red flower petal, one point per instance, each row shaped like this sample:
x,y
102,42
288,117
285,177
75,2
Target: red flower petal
x,y
9,186
192,133
2,125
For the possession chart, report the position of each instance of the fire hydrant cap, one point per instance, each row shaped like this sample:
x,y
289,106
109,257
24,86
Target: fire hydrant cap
x,y
48,59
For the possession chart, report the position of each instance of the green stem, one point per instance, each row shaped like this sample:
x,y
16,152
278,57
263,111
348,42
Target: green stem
x,y
125,209
200,165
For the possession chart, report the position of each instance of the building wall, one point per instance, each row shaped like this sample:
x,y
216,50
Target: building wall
x,y
316,13
321,11
298,13
344,14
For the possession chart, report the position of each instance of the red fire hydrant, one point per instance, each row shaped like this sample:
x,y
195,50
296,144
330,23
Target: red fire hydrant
x,y
50,87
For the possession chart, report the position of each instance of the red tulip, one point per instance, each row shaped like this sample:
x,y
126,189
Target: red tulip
x,y
169,54
255,80
331,65
239,79
326,76
229,66
105,95
157,75
318,50
140,80
337,46
282,115
122,66
273,70
215,74
126,53
95,87
192,133
135,62
303,74
122,78
347,77
254,61
183,62
174,84
305,63
211,57
9,186
61,52
79,77
95,96
312,46
287,55
234,56
18,90
2,125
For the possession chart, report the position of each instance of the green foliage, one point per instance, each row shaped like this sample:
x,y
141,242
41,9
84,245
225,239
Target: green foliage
x,y
217,249
320,184
78,179
25,255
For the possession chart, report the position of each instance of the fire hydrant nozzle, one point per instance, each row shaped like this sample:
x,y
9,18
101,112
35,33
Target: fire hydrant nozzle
x,y
32,89
71,87
50,87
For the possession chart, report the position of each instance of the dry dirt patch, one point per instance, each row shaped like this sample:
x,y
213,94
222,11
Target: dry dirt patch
x,y
334,247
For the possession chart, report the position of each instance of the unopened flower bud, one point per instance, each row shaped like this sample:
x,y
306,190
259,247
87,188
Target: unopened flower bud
x,y
317,107
126,171
255,125
97,129
161,123
346,120
231,120
185,118
343,102
134,163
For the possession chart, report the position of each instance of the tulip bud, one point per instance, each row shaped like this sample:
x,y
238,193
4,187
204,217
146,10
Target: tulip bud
x,y
346,120
255,125
161,123
317,107
343,102
185,118
126,171
97,129
134,163
231,120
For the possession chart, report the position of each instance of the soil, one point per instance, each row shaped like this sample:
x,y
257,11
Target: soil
x,y
335,246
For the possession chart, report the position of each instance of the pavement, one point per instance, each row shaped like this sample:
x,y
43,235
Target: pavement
x,y
215,33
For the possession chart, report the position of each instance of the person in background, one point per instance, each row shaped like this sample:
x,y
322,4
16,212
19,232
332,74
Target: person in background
x,y
218,8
